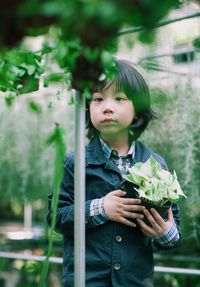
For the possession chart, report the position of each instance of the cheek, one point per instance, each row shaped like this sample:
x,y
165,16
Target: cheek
x,y
129,113
93,117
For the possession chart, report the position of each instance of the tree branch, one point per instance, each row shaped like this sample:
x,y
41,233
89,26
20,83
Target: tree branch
x,y
160,24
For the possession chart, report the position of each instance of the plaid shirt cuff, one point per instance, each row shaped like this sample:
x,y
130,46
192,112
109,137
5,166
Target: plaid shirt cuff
x,y
168,238
97,212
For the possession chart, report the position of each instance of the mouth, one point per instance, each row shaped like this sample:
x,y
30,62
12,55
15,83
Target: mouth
x,y
108,120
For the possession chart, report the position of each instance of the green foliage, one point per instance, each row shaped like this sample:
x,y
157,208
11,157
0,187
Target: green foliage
x,y
9,100
196,42
56,78
57,139
67,53
84,29
178,141
35,107
20,71
160,99
26,166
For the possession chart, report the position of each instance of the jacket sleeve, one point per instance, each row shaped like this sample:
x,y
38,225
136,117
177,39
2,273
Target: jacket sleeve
x,y
175,210
65,209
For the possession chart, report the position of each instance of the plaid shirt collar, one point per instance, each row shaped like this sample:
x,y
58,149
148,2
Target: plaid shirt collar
x,y
108,151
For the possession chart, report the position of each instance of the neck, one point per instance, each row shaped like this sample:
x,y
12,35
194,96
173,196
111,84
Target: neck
x,y
118,142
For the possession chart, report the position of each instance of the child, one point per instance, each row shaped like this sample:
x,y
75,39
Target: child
x,y
118,242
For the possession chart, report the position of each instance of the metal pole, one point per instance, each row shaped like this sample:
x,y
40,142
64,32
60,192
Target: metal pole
x,y
79,191
175,270
27,216
59,260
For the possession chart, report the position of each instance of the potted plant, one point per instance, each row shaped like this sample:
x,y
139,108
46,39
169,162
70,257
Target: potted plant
x,y
156,187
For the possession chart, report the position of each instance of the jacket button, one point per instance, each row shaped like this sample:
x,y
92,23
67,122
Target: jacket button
x,y
96,211
117,266
118,238
114,152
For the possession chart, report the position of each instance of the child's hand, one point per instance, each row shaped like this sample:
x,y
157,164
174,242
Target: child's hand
x,y
119,209
158,224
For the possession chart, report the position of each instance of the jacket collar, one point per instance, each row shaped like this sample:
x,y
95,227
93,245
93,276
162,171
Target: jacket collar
x,y
142,153
94,152
108,150
96,156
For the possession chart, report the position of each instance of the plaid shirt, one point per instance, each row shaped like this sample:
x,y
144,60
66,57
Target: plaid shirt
x,y
97,212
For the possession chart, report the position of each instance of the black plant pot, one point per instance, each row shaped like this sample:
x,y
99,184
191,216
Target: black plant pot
x,y
162,210
131,191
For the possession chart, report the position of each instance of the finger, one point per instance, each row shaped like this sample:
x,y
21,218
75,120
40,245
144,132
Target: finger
x,y
127,222
152,221
133,215
134,208
170,215
146,228
157,217
118,192
131,201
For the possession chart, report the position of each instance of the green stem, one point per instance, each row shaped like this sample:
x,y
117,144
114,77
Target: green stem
x,y
56,138
50,245
160,24
163,202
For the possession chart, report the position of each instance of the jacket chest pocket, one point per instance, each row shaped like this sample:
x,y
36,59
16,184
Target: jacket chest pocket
x,y
100,182
96,188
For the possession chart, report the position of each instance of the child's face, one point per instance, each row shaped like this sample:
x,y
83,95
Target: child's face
x,y
111,112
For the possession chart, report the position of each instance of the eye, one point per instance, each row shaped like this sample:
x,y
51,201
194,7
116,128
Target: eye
x,y
98,99
120,99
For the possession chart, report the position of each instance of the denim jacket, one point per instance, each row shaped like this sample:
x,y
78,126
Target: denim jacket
x,y
116,255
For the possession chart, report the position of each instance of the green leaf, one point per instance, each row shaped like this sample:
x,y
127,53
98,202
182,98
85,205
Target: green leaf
x,y
31,70
56,138
91,54
35,107
137,175
108,64
196,42
150,167
46,49
106,58
28,84
9,100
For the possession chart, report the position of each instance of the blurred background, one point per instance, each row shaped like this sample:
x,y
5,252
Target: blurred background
x,y
171,63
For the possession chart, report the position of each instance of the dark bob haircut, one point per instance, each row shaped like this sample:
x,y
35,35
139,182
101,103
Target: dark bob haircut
x,y
130,81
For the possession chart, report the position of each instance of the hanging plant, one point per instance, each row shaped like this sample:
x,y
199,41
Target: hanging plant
x,y
20,71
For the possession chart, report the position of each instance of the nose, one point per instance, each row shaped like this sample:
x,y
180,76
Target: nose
x,y
108,107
